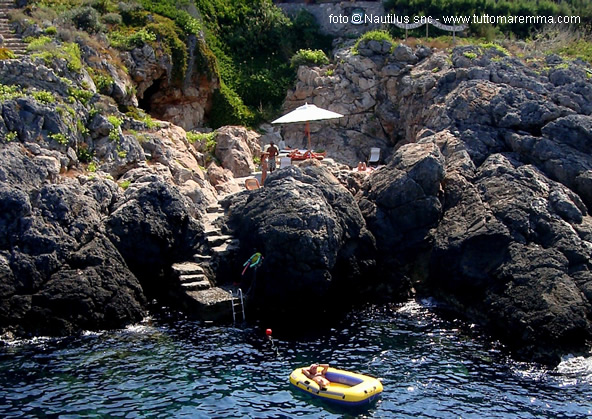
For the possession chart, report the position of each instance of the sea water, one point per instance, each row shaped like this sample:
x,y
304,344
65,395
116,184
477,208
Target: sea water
x,y
164,367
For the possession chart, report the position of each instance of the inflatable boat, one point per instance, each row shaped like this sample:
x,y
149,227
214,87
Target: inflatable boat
x,y
347,388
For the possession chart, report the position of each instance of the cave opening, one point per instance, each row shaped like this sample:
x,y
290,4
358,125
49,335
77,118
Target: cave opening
x,y
145,103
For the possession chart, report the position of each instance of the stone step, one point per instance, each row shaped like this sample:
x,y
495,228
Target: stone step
x,y
193,278
214,208
212,217
187,268
218,240
212,231
196,286
225,247
201,258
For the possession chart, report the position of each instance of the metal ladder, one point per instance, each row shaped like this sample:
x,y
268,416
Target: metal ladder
x,y
237,302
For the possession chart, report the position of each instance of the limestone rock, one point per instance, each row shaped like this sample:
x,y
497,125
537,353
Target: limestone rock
x,y
236,147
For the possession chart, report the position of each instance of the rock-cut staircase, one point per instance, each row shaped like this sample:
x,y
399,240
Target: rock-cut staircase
x,y
208,301
10,40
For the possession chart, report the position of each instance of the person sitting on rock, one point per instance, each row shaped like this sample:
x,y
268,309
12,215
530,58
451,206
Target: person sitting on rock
x,y
317,376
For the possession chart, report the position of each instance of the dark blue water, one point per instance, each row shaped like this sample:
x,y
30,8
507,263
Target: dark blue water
x,y
431,368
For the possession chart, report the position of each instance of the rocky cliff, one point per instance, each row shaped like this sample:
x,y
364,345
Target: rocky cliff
x,y
484,199
482,203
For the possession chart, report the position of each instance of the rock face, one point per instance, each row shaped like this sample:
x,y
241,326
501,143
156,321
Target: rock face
x,y
59,272
96,206
157,216
235,148
485,199
401,204
311,234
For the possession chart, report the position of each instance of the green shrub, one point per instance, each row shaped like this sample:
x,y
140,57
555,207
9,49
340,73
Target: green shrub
x,y
309,57
206,138
578,49
115,120
132,13
377,35
11,136
129,40
170,9
84,154
104,6
149,122
36,44
112,19
170,37
48,50
86,19
80,95
228,109
51,31
503,51
43,96
124,184
9,92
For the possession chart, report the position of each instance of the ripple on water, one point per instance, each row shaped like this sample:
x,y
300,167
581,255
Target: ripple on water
x,y
431,368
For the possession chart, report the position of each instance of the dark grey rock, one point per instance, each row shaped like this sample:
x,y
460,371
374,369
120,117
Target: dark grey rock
x,y
311,234
152,229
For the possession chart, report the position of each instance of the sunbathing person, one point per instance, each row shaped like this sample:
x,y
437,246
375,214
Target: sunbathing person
x,y
317,376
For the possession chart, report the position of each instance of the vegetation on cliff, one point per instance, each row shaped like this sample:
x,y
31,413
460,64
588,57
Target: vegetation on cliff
x,y
438,9
247,46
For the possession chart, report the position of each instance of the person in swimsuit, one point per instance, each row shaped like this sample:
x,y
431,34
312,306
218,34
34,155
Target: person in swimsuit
x,y
317,376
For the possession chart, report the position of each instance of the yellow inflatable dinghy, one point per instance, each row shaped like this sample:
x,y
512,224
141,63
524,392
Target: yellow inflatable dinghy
x,y
346,387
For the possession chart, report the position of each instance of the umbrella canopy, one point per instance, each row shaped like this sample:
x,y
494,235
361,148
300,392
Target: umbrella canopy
x,y
307,113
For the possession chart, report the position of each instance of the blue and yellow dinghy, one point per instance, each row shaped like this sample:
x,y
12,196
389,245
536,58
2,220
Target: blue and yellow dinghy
x,y
348,388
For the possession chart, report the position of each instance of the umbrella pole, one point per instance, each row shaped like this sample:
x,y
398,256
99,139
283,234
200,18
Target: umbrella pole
x,y
308,133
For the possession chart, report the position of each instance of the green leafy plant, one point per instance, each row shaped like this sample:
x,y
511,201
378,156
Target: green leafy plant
x,y
59,138
149,122
503,51
9,92
130,39
124,184
92,167
51,31
470,55
83,96
11,136
82,129
103,82
43,96
84,154
48,50
115,120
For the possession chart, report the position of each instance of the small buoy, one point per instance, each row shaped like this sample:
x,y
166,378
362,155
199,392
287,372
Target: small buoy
x,y
268,332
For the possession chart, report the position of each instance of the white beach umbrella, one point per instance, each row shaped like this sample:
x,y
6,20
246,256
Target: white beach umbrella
x,y
307,113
